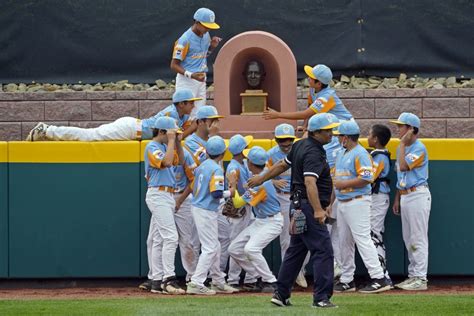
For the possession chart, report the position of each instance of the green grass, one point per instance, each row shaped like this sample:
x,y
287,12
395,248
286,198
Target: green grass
x,y
411,304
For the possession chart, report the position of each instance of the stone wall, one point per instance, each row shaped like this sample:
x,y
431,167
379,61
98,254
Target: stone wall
x,y
445,113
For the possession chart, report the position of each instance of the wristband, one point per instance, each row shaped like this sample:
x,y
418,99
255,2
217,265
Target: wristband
x,y
226,194
188,74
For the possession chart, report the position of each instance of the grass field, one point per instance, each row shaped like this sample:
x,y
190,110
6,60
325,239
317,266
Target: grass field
x,y
411,304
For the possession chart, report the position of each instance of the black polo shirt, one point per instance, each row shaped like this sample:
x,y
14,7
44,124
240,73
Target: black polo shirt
x,y
308,158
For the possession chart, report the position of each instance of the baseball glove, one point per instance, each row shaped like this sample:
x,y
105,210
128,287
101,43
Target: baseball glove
x,y
230,211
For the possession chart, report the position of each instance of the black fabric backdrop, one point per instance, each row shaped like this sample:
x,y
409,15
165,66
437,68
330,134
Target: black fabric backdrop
x,y
108,40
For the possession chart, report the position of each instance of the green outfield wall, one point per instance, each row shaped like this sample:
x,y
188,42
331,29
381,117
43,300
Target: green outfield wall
x,y
77,209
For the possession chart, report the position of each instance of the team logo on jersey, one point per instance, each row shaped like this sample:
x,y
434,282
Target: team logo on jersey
x,y
247,195
412,157
178,50
159,154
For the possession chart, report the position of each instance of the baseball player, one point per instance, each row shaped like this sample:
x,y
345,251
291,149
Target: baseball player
x,y
378,138
246,248
238,168
208,189
125,128
190,54
413,200
285,136
322,99
161,154
188,239
353,175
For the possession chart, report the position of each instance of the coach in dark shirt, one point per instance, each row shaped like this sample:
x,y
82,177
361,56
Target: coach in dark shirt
x,y
311,181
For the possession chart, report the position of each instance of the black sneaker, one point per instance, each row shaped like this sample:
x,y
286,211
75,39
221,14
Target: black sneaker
x,y
156,286
376,286
267,287
251,287
324,304
279,301
170,286
341,287
146,286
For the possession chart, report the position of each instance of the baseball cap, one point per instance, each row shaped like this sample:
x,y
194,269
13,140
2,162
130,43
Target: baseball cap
x,y
347,128
319,72
322,121
256,155
284,131
184,95
408,119
215,145
207,112
207,18
238,143
166,122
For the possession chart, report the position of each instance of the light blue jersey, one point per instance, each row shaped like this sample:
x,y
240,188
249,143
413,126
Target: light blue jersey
x,y
381,169
184,173
192,50
171,111
208,177
197,147
264,200
275,155
242,172
355,163
416,157
157,175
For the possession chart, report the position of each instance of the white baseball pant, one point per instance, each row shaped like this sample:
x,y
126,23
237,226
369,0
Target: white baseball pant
x,y
333,231
246,249
162,238
237,225
125,128
206,224
354,229
415,210
188,241
197,87
378,211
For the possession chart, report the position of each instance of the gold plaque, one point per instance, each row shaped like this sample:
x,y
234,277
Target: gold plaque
x,y
254,102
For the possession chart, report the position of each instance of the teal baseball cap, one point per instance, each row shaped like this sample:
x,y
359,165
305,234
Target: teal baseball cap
x,y
256,155
207,112
184,94
347,128
319,72
207,18
322,121
166,122
408,119
284,131
215,145
238,143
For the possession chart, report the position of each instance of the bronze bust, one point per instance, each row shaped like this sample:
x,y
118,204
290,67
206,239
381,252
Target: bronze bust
x,y
254,99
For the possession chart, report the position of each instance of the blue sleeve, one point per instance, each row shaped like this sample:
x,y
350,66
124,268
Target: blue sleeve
x,y
217,194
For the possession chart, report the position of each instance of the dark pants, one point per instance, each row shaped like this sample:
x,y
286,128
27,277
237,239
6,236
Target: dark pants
x,y
317,240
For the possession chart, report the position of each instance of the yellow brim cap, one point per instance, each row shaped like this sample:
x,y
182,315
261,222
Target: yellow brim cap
x,y
398,122
248,139
285,136
330,126
309,71
246,152
215,116
193,99
212,26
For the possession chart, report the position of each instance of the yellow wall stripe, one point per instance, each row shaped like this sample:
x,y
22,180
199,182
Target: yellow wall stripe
x,y
74,152
3,152
133,151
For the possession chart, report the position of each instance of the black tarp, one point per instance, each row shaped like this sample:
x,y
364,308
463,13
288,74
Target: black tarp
x,y
108,40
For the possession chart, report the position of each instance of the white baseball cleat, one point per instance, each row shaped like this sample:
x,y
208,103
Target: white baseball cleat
x,y
408,280
417,284
193,288
337,271
37,133
301,280
223,288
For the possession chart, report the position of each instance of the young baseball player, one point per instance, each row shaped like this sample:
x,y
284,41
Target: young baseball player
x,y
161,154
379,136
238,167
413,200
246,248
353,175
188,239
190,54
125,128
284,136
208,189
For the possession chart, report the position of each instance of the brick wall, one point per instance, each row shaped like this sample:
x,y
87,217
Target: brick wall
x,y
445,113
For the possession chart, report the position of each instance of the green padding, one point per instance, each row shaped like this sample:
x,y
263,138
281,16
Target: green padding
x,y
74,220
3,220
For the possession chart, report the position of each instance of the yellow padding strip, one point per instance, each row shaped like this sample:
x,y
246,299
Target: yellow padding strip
x,y
74,152
3,152
439,148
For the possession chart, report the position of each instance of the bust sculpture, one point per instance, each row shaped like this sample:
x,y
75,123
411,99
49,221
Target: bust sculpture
x,y
254,99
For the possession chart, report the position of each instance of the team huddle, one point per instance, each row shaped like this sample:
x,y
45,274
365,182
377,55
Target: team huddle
x,y
189,192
